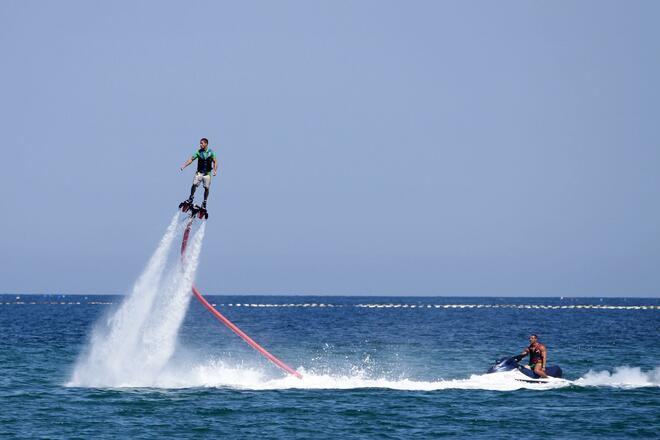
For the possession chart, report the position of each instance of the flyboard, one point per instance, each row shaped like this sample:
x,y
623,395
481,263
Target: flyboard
x,y
195,210
198,212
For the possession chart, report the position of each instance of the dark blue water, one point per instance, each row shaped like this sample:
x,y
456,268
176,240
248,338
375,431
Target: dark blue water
x,y
373,367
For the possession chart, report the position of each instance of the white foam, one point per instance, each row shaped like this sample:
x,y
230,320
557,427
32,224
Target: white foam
x,y
218,374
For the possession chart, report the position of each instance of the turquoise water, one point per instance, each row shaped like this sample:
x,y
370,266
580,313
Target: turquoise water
x,y
376,367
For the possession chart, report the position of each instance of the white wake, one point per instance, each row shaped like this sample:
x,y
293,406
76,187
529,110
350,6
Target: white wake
x,y
217,373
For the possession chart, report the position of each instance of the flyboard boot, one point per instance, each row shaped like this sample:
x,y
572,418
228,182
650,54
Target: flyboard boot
x,y
202,213
186,205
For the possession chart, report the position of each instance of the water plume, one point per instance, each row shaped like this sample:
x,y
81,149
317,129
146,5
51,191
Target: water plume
x,y
130,346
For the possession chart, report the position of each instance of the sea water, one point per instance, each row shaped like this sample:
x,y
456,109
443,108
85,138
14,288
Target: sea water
x,y
373,367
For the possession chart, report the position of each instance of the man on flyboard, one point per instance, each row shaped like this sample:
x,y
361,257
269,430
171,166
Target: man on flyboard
x,y
206,162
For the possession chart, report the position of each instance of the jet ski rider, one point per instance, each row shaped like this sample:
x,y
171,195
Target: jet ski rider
x,y
537,356
206,160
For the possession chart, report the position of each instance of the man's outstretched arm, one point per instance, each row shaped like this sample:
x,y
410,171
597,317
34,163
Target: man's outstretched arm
x,y
186,163
215,166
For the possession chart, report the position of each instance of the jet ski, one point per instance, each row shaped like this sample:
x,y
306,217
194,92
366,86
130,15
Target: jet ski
x,y
511,367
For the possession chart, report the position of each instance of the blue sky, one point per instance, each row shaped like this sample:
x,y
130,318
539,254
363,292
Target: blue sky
x,y
369,148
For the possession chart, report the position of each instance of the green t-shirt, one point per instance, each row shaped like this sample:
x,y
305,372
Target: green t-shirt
x,y
205,160
208,154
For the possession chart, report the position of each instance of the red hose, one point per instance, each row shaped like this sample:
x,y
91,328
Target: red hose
x,y
229,324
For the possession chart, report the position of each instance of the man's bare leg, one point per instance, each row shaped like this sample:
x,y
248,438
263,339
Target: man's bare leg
x,y
206,196
538,369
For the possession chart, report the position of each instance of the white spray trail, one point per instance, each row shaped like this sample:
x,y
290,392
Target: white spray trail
x,y
131,346
621,377
159,338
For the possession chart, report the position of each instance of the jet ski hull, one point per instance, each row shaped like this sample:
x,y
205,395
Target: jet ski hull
x,y
523,373
519,376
